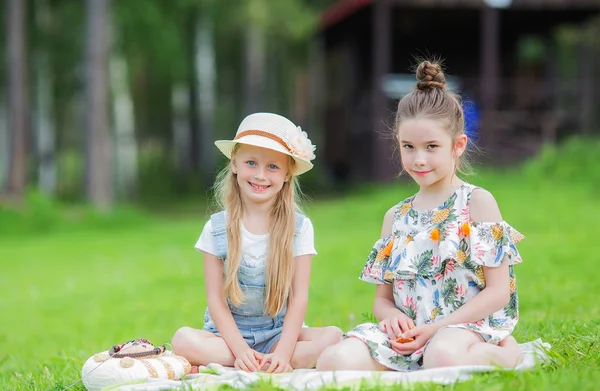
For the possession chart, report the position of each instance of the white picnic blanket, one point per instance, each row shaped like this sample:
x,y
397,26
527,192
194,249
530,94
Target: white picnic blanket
x,y
534,353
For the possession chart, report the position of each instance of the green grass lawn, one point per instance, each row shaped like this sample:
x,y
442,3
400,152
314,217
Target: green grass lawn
x,y
69,294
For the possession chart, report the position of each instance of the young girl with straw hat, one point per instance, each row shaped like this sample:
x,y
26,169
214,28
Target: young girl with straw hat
x,y
257,256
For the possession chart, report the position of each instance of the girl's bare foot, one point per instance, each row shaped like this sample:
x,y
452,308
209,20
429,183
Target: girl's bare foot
x,y
511,344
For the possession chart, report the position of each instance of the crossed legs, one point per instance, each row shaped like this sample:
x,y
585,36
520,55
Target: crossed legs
x,y
350,354
454,346
449,347
201,347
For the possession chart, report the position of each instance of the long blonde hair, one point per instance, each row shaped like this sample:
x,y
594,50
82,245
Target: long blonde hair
x,y
280,255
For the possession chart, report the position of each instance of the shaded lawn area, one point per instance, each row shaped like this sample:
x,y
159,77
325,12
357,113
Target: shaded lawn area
x,y
67,295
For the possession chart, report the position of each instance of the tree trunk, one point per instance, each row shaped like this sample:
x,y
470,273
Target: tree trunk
x,y
98,151
275,87
18,100
180,104
193,94
254,66
206,75
124,120
44,120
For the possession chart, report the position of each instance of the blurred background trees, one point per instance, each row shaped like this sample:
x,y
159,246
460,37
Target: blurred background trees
x,y
120,100
108,100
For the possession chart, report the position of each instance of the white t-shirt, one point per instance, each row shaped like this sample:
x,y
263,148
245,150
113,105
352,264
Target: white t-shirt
x,y
254,247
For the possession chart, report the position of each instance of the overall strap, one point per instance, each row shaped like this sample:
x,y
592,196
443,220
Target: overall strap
x,y
299,222
219,231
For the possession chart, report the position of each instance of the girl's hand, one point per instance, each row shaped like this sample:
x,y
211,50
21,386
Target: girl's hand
x,y
395,325
421,335
275,363
248,361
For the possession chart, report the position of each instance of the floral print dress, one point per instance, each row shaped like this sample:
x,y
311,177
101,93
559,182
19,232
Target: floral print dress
x,y
435,259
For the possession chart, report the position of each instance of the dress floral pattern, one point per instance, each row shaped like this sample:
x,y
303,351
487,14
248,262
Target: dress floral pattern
x,y
435,260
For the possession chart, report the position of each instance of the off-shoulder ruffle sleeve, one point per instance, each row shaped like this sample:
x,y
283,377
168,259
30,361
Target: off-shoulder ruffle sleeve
x,y
397,257
491,242
378,262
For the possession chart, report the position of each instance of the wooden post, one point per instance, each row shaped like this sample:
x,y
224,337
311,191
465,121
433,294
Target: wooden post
x,y
383,167
18,97
4,141
550,91
586,92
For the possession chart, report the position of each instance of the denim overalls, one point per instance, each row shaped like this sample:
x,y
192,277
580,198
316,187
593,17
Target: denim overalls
x,y
258,329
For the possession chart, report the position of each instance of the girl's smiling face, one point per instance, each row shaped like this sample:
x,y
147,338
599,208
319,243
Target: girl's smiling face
x,y
261,173
427,151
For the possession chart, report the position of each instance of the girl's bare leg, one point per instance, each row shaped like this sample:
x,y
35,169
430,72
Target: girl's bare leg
x,y
350,354
311,343
200,347
453,346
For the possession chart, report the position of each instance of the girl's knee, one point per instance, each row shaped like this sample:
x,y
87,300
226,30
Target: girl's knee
x,y
350,353
441,354
330,358
331,336
449,347
181,340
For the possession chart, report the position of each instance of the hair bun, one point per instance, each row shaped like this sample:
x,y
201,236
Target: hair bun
x,y
430,76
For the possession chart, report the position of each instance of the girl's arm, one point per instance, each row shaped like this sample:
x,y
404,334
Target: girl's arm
x,y
384,305
218,308
392,320
296,311
496,293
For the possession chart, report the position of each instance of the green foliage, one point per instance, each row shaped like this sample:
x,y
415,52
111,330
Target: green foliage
x,y
155,30
369,317
287,19
42,215
159,180
531,48
71,168
574,161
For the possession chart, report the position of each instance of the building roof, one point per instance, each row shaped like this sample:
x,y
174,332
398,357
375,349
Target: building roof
x,y
342,9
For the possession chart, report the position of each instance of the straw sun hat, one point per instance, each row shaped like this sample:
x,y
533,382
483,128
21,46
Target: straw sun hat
x,y
274,132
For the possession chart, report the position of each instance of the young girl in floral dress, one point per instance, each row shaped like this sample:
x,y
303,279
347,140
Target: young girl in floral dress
x,y
446,290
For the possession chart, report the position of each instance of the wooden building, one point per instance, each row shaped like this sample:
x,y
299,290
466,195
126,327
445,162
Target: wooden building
x,y
367,50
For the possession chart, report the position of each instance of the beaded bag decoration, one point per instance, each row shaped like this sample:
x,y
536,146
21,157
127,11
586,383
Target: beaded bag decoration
x,y
134,360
